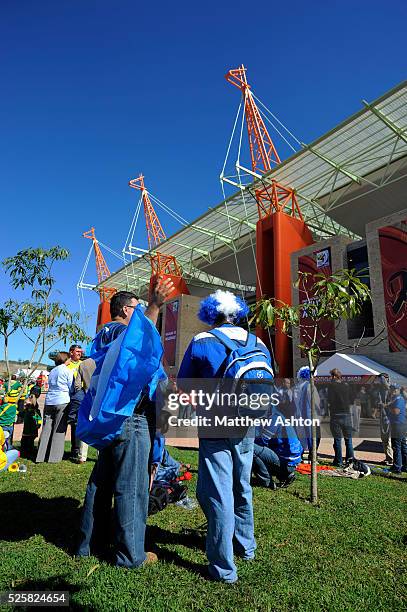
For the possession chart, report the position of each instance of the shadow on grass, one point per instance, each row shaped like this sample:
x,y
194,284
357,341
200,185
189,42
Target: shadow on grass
x,y
55,583
156,535
24,514
192,539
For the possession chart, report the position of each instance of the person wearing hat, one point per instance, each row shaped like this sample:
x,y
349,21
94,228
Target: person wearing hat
x,y
396,412
223,488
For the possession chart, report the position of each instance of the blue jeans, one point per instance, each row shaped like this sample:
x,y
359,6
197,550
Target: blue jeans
x,y
341,427
225,496
120,471
266,464
399,446
168,470
9,441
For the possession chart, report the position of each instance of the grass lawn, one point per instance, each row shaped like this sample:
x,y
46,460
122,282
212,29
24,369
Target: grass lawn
x,y
346,554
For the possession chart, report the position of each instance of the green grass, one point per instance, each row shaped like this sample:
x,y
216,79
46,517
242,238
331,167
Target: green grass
x,y
346,554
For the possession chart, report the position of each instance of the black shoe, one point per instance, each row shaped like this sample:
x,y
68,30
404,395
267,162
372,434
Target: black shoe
x,y
286,483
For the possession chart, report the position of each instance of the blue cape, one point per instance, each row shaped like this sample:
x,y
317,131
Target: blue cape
x,y
128,363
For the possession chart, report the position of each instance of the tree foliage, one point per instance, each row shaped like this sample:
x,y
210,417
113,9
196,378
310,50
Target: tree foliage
x,y
44,321
330,298
327,298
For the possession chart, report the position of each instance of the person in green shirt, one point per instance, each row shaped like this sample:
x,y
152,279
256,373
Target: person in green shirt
x,y
32,420
8,413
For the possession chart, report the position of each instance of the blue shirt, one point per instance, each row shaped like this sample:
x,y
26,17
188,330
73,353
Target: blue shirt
x,y
205,355
400,403
282,439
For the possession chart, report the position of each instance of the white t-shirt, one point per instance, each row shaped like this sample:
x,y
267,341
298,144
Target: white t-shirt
x,y
60,381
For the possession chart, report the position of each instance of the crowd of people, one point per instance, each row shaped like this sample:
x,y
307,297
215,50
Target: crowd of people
x,y
125,468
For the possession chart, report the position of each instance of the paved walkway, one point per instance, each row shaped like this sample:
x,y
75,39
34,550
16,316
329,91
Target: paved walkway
x,y
370,450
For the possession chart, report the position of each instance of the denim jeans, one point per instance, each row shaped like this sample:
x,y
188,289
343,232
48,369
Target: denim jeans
x,y
306,442
266,464
225,496
341,427
399,446
120,471
168,470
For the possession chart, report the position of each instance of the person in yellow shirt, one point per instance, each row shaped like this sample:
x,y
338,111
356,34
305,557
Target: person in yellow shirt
x,y
75,355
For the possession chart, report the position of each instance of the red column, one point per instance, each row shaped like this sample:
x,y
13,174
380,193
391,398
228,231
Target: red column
x,y
277,236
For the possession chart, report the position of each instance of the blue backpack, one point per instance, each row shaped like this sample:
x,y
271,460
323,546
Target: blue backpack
x,y
249,367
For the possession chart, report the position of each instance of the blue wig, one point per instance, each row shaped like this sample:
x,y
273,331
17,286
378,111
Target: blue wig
x,y
225,304
304,373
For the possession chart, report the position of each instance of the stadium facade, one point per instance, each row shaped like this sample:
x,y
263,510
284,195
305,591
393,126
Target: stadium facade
x,y
351,185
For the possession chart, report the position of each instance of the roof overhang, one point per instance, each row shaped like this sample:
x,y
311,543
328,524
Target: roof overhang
x,y
352,175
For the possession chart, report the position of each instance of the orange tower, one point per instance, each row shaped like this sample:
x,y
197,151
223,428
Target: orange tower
x,y
103,273
162,265
278,233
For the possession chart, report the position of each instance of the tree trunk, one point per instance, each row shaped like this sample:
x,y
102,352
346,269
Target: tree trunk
x,y
314,475
7,360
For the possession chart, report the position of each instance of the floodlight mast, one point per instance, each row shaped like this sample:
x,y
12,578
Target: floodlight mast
x,y
273,197
280,230
102,269
162,264
262,150
103,273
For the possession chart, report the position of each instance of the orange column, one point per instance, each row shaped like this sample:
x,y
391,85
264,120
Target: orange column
x,y
103,314
277,237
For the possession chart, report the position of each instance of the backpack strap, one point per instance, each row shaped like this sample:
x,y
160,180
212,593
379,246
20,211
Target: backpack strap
x,y
251,341
231,344
224,339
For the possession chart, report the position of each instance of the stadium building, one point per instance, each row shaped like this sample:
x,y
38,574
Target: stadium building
x,y
351,187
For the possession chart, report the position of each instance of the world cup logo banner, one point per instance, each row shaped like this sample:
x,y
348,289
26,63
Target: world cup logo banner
x,y
393,250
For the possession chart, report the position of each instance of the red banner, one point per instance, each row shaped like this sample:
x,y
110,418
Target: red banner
x,y
317,263
170,332
393,250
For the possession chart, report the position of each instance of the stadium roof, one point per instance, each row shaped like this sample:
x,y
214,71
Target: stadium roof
x,y
354,174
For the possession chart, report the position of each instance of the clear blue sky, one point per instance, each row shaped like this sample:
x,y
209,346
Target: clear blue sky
x,y
95,91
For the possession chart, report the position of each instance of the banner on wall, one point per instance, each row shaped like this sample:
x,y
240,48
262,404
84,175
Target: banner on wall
x,y
393,251
317,263
170,332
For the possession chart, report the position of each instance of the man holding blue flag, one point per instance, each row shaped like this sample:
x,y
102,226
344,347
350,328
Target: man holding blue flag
x,y
117,417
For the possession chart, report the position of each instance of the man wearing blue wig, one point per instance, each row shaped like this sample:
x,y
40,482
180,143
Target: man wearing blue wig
x,y
223,487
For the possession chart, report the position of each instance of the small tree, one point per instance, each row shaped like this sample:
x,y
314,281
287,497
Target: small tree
x,y
9,323
44,322
330,298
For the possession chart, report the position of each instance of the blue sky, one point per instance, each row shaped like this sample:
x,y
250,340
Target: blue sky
x,y
95,91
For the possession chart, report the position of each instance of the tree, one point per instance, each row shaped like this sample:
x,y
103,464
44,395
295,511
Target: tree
x,y
329,298
9,323
44,322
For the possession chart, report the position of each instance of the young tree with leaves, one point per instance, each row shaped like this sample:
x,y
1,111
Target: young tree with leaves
x,y
44,321
328,298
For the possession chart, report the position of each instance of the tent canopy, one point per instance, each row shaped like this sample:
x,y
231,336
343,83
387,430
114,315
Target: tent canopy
x,y
358,366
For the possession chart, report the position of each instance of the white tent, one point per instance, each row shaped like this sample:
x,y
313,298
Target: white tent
x,y
358,366
34,375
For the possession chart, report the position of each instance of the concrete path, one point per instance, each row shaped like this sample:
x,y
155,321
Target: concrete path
x,y
370,450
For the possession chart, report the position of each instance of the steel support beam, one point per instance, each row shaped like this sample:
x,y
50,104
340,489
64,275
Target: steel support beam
x,y
394,128
335,165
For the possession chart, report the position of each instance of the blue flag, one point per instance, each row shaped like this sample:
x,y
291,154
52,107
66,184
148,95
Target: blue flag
x,y
126,367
